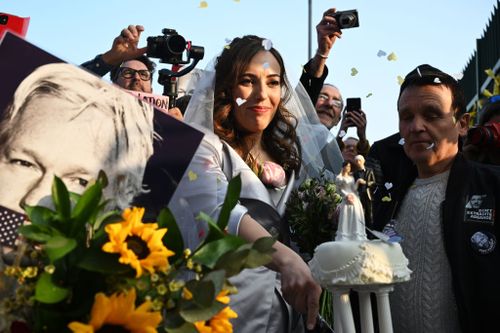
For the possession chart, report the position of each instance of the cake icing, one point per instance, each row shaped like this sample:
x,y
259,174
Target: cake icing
x,y
359,262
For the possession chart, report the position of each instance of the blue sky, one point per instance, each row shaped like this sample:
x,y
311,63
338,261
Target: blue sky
x,y
442,33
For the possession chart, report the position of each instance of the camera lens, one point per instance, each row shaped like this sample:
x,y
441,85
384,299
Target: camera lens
x,y
176,44
347,20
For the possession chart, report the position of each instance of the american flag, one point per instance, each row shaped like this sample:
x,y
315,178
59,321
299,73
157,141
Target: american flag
x,y
10,221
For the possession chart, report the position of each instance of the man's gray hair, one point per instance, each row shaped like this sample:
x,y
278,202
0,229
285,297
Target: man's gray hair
x,y
132,120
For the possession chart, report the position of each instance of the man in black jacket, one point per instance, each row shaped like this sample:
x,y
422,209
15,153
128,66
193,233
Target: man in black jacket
x,y
452,247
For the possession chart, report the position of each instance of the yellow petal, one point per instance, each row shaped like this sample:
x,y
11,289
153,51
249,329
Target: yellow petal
x,y
203,4
392,57
192,176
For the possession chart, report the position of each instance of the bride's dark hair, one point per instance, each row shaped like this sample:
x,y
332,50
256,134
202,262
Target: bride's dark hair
x,y
279,139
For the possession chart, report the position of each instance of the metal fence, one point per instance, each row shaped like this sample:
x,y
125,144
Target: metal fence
x,y
486,55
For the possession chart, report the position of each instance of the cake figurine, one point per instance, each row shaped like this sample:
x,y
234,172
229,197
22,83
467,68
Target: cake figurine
x,y
354,262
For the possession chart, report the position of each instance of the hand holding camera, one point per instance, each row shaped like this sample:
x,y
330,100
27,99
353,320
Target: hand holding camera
x,y
353,116
125,46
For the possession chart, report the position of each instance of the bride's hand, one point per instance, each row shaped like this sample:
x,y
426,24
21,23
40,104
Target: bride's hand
x,y
299,288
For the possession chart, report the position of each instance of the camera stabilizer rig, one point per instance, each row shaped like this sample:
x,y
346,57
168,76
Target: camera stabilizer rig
x,y
170,49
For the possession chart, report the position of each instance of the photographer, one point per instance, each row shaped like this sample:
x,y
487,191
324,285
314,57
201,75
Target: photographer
x,y
483,141
128,66
327,98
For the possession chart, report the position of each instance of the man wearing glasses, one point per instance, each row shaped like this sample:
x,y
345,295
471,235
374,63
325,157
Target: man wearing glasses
x,y
129,67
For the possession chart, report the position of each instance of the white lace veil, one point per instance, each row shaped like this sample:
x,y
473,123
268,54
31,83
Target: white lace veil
x,y
318,145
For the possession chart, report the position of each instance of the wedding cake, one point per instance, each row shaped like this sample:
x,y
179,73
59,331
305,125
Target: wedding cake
x,y
359,262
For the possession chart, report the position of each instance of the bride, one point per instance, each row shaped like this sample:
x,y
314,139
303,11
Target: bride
x,y
351,217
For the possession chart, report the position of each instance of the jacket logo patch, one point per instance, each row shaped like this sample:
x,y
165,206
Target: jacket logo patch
x,y
480,208
483,242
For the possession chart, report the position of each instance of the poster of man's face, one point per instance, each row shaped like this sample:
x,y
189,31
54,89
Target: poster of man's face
x,y
59,120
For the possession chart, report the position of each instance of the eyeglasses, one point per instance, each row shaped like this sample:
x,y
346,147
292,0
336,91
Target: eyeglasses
x,y
128,73
335,102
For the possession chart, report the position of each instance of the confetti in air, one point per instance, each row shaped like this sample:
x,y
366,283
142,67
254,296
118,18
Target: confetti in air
x,y
402,141
392,57
386,199
192,176
457,76
228,40
388,185
437,80
267,44
400,80
342,134
354,71
381,53
265,65
418,71
240,101
369,95
203,4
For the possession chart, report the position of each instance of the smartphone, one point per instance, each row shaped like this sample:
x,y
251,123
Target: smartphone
x,y
353,104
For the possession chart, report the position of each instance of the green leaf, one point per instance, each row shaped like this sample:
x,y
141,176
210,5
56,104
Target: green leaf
x,y
264,244
192,315
256,259
173,238
209,253
38,233
185,328
40,215
214,232
95,260
60,196
217,278
86,207
233,262
203,292
59,246
47,292
231,199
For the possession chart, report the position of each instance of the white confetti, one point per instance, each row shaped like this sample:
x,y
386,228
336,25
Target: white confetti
x,y
430,146
402,141
381,53
457,76
437,80
342,134
418,71
240,101
388,185
267,44
265,65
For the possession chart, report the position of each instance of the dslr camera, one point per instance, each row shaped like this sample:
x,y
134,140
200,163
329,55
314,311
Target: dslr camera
x,y
485,136
170,48
347,19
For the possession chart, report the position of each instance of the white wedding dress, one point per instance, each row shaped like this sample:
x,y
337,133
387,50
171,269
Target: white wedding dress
x,y
351,217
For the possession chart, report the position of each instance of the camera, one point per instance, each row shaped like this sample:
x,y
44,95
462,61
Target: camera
x,y
347,19
170,48
485,136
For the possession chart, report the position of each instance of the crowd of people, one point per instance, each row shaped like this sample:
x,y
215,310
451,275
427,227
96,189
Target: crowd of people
x,y
424,180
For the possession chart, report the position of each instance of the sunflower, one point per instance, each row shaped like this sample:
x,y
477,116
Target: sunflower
x,y
117,313
139,244
220,322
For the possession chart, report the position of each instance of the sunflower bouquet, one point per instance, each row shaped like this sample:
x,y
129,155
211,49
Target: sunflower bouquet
x,y
83,268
